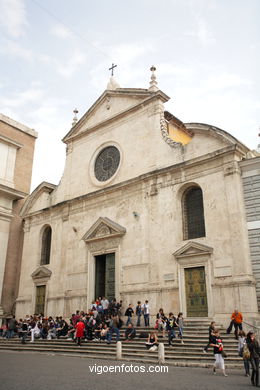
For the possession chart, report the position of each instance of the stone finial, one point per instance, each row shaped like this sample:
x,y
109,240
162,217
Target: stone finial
x,y
153,83
75,119
112,84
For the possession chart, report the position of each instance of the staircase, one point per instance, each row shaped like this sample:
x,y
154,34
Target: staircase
x,y
189,354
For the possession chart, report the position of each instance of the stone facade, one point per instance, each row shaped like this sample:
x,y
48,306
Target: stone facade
x,y
16,159
251,183
138,213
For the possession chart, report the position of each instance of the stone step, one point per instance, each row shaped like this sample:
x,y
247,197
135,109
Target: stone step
x,y
171,353
172,356
152,357
188,354
150,360
179,348
227,341
192,341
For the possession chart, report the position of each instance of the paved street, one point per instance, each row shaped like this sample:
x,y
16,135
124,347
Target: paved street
x,y
31,371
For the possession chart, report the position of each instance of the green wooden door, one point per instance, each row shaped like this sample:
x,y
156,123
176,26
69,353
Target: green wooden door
x,y
40,299
100,276
196,294
110,276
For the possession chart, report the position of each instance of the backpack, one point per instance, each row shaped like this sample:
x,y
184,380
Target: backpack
x,y
143,335
246,352
138,310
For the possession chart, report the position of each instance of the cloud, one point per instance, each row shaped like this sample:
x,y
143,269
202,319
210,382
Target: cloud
x,y
128,53
201,32
226,80
60,31
13,17
68,67
167,69
13,49
22,98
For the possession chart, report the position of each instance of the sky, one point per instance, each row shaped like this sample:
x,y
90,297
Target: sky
x,y
55,56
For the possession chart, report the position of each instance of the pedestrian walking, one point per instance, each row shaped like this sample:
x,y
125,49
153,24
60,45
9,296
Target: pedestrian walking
x,y
211,332
243,351
113,328
218,350
253,347
180,323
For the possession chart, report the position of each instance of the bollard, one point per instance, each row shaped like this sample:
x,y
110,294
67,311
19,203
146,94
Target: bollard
x,y
161,358
119,350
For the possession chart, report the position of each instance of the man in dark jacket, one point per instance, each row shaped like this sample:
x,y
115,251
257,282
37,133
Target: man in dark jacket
x,y
129,312
12,324
24,331
253,347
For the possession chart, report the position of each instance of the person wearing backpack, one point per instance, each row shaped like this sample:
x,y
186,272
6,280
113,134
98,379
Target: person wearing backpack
x,y
243,351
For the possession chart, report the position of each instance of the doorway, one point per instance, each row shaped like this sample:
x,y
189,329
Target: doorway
x,y
105,276
40,299
196,292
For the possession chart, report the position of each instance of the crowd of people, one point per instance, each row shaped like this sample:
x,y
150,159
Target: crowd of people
x,y
99,323
104,319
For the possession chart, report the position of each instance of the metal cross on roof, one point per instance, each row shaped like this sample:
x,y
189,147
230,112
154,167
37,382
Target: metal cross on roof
x,y
112,69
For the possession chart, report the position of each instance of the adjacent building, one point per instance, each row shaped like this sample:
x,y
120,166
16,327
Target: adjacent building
x,y
251,183
16,159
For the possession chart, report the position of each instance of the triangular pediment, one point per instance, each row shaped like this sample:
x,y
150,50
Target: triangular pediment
x,y
110,106
40,195
103,228
41,273
193,249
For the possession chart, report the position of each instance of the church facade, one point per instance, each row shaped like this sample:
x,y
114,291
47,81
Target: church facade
x,y
147,208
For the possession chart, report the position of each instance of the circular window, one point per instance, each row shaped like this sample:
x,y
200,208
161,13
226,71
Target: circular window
x,y
107,163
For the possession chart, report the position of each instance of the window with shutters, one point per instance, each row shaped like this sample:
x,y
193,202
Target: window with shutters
x,y
193,213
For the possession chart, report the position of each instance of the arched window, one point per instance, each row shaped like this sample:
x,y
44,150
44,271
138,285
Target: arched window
x,y
194,224
46,246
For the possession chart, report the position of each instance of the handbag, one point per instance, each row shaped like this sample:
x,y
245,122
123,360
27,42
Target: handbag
x,y
223,354
246,352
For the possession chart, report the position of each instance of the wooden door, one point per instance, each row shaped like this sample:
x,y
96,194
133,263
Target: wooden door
x,y
196,294
100,276
110,276
40,299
